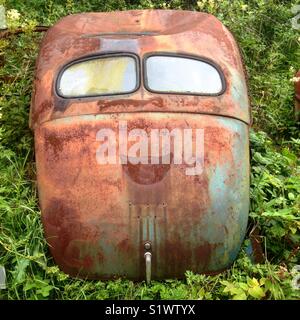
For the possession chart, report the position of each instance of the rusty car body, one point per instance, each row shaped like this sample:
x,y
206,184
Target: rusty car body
x,y
101,219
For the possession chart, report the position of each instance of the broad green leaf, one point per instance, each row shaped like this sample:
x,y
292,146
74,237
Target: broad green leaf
x,y
256,292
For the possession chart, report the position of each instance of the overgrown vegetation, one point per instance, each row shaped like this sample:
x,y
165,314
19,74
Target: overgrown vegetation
x,y
271,52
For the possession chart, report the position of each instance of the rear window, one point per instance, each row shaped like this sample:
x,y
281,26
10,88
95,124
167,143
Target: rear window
x,y
175,74
106,75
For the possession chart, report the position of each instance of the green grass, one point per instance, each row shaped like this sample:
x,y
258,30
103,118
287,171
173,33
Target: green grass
x,y
270,48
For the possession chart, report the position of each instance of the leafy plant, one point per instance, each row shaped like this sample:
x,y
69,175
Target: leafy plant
x,y
270,48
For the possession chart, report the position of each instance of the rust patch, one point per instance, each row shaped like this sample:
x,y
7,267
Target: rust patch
x,y
157,102
43,107
55,140
68,238
203,253
60,104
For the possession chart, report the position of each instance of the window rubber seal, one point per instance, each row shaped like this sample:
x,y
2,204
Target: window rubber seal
x,y
95,57
187,56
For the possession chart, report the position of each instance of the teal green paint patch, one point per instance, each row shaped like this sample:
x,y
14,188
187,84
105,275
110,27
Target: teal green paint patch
x,y
225,223
239,90
151,228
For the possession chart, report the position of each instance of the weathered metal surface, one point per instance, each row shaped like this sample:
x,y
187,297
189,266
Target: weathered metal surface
x,y
98,218
171,31
297,97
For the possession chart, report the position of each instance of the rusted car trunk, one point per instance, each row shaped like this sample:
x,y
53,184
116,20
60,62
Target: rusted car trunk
x,y
101,218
